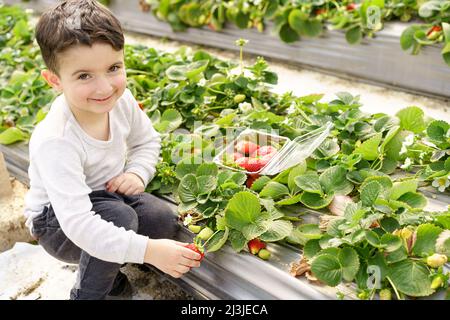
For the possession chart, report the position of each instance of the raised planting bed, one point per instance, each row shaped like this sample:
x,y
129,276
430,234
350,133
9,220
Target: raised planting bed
x,y
380,60
227,275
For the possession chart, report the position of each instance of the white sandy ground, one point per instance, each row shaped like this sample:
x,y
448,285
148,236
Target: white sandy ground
x,y
28,272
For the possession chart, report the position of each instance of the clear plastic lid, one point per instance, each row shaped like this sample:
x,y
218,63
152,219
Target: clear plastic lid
x,y
285,154
296,150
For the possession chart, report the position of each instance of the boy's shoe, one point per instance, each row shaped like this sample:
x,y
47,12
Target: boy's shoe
x,y
121,288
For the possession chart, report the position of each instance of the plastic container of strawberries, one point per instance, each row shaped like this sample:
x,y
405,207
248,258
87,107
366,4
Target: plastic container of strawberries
x,y
257,152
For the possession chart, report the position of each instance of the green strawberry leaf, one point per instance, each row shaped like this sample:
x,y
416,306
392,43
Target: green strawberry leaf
x,y
437,130
370,192
274,190
369,148
217,240
414,200
277,230
349,261
309,182
207,169
334,181
242,210
412,119
12,135
259,183
327,269
391,242
237,239
402,187
293,173
411,278
188,188
315,201
311,248
426,237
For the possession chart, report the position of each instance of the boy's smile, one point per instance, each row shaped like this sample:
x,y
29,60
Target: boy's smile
x,y
91,78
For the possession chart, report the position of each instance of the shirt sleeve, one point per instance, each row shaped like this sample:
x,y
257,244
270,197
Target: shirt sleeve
x,y
144,143
59,164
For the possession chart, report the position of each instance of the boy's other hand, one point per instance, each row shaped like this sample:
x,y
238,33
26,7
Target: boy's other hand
x,y
171,257
127,183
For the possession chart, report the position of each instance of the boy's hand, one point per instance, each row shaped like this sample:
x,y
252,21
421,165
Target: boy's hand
x,y
127,183
171,257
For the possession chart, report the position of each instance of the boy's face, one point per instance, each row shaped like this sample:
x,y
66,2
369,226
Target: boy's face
x,y
92,78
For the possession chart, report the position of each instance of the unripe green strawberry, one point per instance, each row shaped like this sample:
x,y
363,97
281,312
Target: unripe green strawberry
x,y
363,295
264,254
239,98
205,234
194,228
385,294
436,260
437,283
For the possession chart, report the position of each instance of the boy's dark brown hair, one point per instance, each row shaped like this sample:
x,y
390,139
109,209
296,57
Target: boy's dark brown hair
x,y
74,22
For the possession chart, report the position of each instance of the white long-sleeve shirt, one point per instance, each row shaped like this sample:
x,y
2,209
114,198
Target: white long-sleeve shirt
x,y
66,164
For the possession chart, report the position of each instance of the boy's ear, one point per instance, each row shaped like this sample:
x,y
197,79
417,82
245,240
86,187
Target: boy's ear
x,y
52,79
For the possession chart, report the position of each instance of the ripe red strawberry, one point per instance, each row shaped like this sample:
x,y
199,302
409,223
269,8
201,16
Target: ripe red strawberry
x,y
141,105
253,164
434,29
265,150
242,162
246,147
255,245
193,247
351,7
250,179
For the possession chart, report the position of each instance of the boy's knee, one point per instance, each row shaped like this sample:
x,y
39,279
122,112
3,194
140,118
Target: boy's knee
x,y
126,217
159,219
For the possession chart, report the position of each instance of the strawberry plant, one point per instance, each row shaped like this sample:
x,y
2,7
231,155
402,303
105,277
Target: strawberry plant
x,y
293,20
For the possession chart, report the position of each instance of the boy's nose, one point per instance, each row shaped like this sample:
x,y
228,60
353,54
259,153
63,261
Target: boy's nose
x,y
104,86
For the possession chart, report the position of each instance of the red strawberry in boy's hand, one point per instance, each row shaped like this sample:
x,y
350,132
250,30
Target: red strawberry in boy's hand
x,y
246,147
255,245
193,247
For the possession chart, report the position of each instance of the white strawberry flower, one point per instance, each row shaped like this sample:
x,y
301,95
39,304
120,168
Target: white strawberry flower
x,y
403,150
202,82
409,140
441,183
407,165
187,220
245,107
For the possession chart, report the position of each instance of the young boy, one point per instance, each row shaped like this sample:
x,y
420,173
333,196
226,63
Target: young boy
x,y
92,156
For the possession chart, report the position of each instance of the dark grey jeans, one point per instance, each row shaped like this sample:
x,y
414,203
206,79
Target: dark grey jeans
x,y
143,213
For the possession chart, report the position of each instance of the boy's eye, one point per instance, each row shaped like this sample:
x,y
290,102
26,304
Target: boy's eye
x,y
114,68
83,76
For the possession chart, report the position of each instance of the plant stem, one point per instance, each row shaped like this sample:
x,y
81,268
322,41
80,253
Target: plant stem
x,y
395,289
